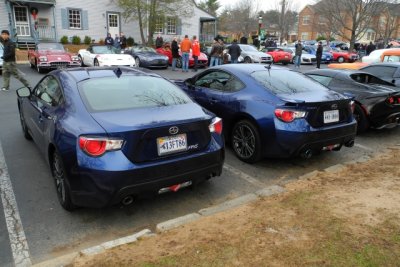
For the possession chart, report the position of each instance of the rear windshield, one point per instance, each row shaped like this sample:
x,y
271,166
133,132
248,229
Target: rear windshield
x,y
130,92
286,82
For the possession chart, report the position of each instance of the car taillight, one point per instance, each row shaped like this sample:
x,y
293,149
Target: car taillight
x,y
287,115
96,147
216,126
393,100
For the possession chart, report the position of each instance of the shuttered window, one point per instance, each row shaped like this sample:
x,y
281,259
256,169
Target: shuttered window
x,y
74,19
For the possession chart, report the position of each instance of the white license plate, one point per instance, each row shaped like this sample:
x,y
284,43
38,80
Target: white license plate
x,y
171,144
331,116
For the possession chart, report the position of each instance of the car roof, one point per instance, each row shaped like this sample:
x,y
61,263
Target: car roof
x,y
336,72
81,74
386,64
246,69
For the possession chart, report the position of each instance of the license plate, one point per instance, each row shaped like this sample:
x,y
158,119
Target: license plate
x,y
331,116
171,144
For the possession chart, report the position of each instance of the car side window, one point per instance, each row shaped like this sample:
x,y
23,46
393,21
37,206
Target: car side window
x,y
324,80
381,71
49,91
215,80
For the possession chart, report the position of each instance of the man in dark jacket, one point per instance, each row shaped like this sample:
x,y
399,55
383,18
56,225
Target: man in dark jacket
x,y
9,65
318,54
175,52
159,41
371,47
123,41
298,52
109,40
234,51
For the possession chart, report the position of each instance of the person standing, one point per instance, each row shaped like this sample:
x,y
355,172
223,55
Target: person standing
x,y
109,40
159,41
195,52
371,47
117,41
175,52
319,54
123,41
221,52
234,51
214,54
298,52
9,64
186,45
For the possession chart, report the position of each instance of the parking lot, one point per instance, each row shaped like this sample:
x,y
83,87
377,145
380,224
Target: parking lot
x,y
50,231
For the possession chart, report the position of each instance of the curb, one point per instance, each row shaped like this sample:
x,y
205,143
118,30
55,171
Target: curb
x,y
188,218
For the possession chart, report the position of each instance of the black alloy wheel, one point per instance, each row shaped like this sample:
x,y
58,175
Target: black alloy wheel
x,y
63,191
247,60
23,126
81,59
361,118
246,141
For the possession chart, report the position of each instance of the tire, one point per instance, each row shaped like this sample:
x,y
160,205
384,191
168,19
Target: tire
x,y
179,63
62,187
137,62
24,127
38,69
30,63
340,59
246,141
285,63
247,60
96,63
361,118
81,59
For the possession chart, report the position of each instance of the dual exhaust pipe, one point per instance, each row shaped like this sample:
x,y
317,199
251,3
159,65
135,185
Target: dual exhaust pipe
x,y
308,153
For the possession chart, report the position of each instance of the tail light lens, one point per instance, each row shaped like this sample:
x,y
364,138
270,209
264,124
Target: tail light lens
x,y
393,100
96,147
286,115
216,126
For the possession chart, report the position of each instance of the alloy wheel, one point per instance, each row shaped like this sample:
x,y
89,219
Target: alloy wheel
x,y
58,175
244,141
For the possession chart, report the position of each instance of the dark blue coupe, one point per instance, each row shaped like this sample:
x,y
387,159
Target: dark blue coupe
x,y
147,57
272,111
111,134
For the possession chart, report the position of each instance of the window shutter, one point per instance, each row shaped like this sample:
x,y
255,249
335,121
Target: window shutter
x,y
64,18
85,20
178,26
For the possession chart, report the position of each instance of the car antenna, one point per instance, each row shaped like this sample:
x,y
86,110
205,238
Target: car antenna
x,y
118,72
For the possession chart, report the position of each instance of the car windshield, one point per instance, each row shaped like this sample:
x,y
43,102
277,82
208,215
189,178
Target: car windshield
x,y
143,49
106,49
130,92
51,47
326,49
248,48
286,82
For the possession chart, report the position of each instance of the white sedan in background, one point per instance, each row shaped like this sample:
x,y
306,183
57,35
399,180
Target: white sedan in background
x,y
306,58
104,55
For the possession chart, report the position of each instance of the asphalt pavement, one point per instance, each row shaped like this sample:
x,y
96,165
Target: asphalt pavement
x,y
50,231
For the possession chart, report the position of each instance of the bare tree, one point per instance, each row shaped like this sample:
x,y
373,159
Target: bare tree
x,y
353,17
147,13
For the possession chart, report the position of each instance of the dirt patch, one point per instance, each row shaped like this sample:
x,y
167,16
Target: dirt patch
x,y
348,218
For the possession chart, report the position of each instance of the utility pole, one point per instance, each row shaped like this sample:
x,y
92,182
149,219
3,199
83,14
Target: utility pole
x,y
282,20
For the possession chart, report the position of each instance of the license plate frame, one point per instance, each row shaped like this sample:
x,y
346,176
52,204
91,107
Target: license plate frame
x,y
331,116
177,143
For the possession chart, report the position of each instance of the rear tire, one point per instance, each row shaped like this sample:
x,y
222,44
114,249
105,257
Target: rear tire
x,y
81,59
246,141
62,187
340,59
361,118
247,60
38,69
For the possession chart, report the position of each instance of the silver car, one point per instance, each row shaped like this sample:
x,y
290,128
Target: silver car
x,y
1,60
250,54
306,58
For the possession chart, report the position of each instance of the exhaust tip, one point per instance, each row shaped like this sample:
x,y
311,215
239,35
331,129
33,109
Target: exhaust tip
x,y
306,154
349,143
127,200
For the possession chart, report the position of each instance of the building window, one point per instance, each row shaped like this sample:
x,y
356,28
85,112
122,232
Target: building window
x,y
306,20
171,26
74,18
159,26
304,36
371,36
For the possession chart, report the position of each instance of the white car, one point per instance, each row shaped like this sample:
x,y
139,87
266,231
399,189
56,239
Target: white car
x,y
375,56
104,55
306,58
250,54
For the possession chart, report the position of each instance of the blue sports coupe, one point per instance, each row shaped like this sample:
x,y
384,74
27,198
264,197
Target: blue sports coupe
x,y
147,57
113,134
327,57
272,111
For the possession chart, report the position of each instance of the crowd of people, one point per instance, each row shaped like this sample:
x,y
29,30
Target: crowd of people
x,y
119,41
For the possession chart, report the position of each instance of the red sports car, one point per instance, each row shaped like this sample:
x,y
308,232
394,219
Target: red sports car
x,y
341,56
51,56
278,55
202,60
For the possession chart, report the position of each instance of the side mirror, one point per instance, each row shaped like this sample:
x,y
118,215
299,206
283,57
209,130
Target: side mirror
x,y
189,83
24,92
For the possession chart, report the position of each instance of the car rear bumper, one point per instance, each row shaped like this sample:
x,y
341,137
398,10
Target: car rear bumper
x,y
293,143
100,188
389,121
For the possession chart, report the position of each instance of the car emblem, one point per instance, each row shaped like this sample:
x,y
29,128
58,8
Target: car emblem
x,y
334,106
173,130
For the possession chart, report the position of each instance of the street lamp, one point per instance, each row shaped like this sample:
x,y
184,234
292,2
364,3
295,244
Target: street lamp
x,y
260,18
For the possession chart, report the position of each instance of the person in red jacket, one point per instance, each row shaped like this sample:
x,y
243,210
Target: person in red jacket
x,y
195,52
